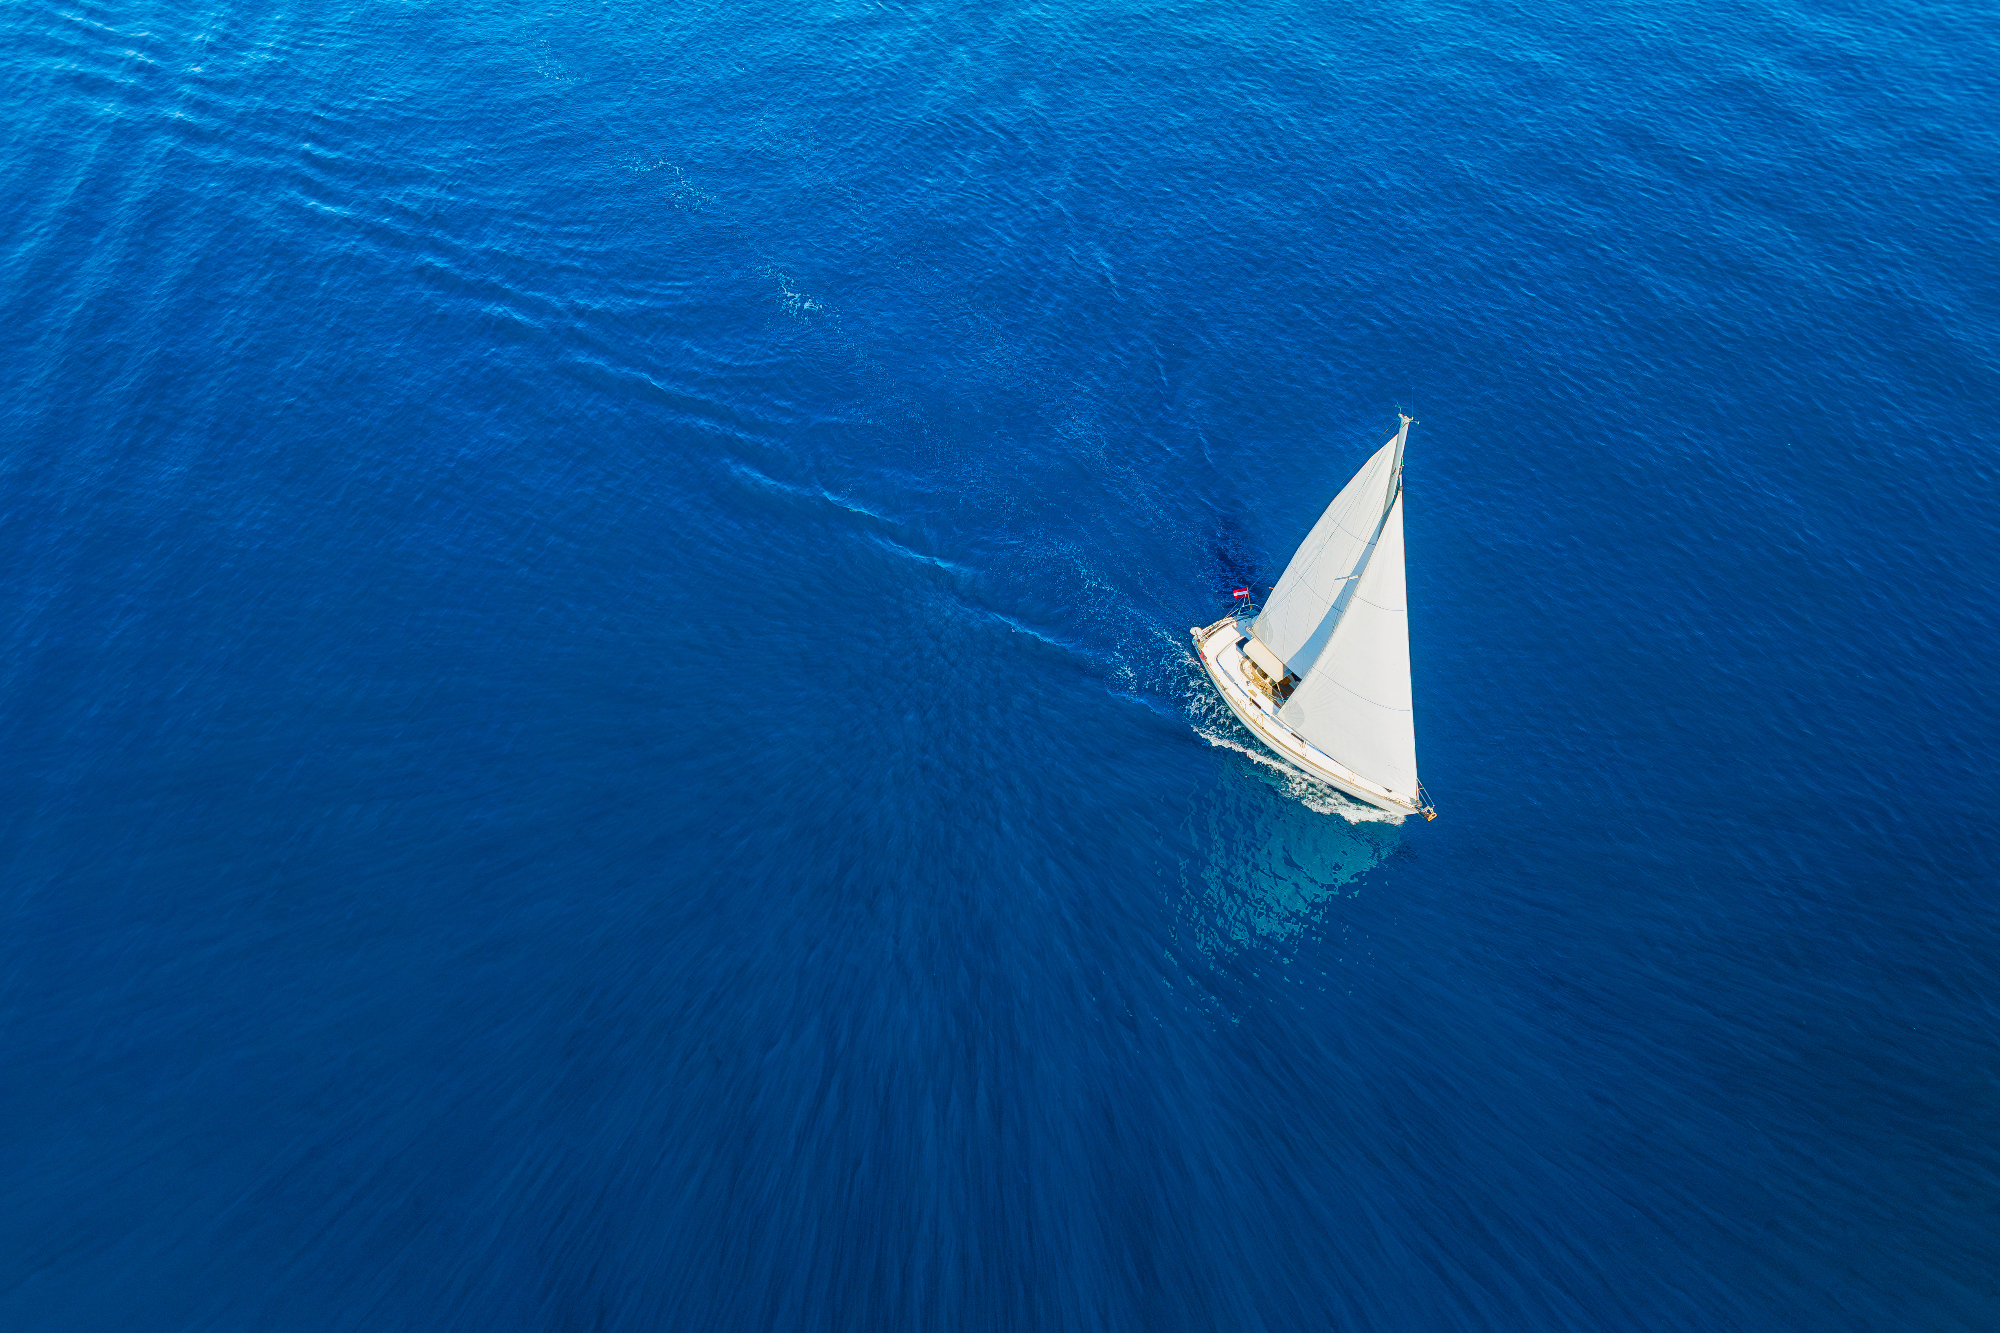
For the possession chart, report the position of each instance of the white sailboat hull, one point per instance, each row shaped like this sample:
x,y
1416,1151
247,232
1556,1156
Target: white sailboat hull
x,y
1221,648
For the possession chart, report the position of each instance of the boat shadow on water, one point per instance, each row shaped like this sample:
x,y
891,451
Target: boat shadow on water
x,y
1275,848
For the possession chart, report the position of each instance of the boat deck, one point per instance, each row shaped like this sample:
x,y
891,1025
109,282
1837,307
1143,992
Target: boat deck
x,y
1221,649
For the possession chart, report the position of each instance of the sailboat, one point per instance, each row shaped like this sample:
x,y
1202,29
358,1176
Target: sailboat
x,y
1322,674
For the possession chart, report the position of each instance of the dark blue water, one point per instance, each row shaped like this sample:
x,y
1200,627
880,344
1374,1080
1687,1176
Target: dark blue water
x,y
597,720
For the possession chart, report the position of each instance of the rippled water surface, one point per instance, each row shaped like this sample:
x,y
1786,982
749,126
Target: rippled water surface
x,y
597,715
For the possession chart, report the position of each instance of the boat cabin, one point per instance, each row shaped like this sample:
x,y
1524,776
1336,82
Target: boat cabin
x,y
1267,671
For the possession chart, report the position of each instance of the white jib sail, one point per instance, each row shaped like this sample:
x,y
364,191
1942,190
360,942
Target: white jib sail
x,y
1355,702
1305,606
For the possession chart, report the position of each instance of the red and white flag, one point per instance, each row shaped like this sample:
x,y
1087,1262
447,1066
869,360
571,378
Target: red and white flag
x,y
1240,593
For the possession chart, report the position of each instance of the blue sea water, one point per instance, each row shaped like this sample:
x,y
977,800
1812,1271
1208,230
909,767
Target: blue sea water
x,y
597,715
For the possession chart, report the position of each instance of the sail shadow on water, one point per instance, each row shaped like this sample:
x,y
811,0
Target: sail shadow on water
x,y
1234,557
1268,873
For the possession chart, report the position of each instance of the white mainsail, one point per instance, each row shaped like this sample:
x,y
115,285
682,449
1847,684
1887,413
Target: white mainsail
x,y
1340,620
1306,605
1354,704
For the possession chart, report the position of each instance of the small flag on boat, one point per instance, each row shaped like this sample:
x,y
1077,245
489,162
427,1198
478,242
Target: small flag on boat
x,y
1240,593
